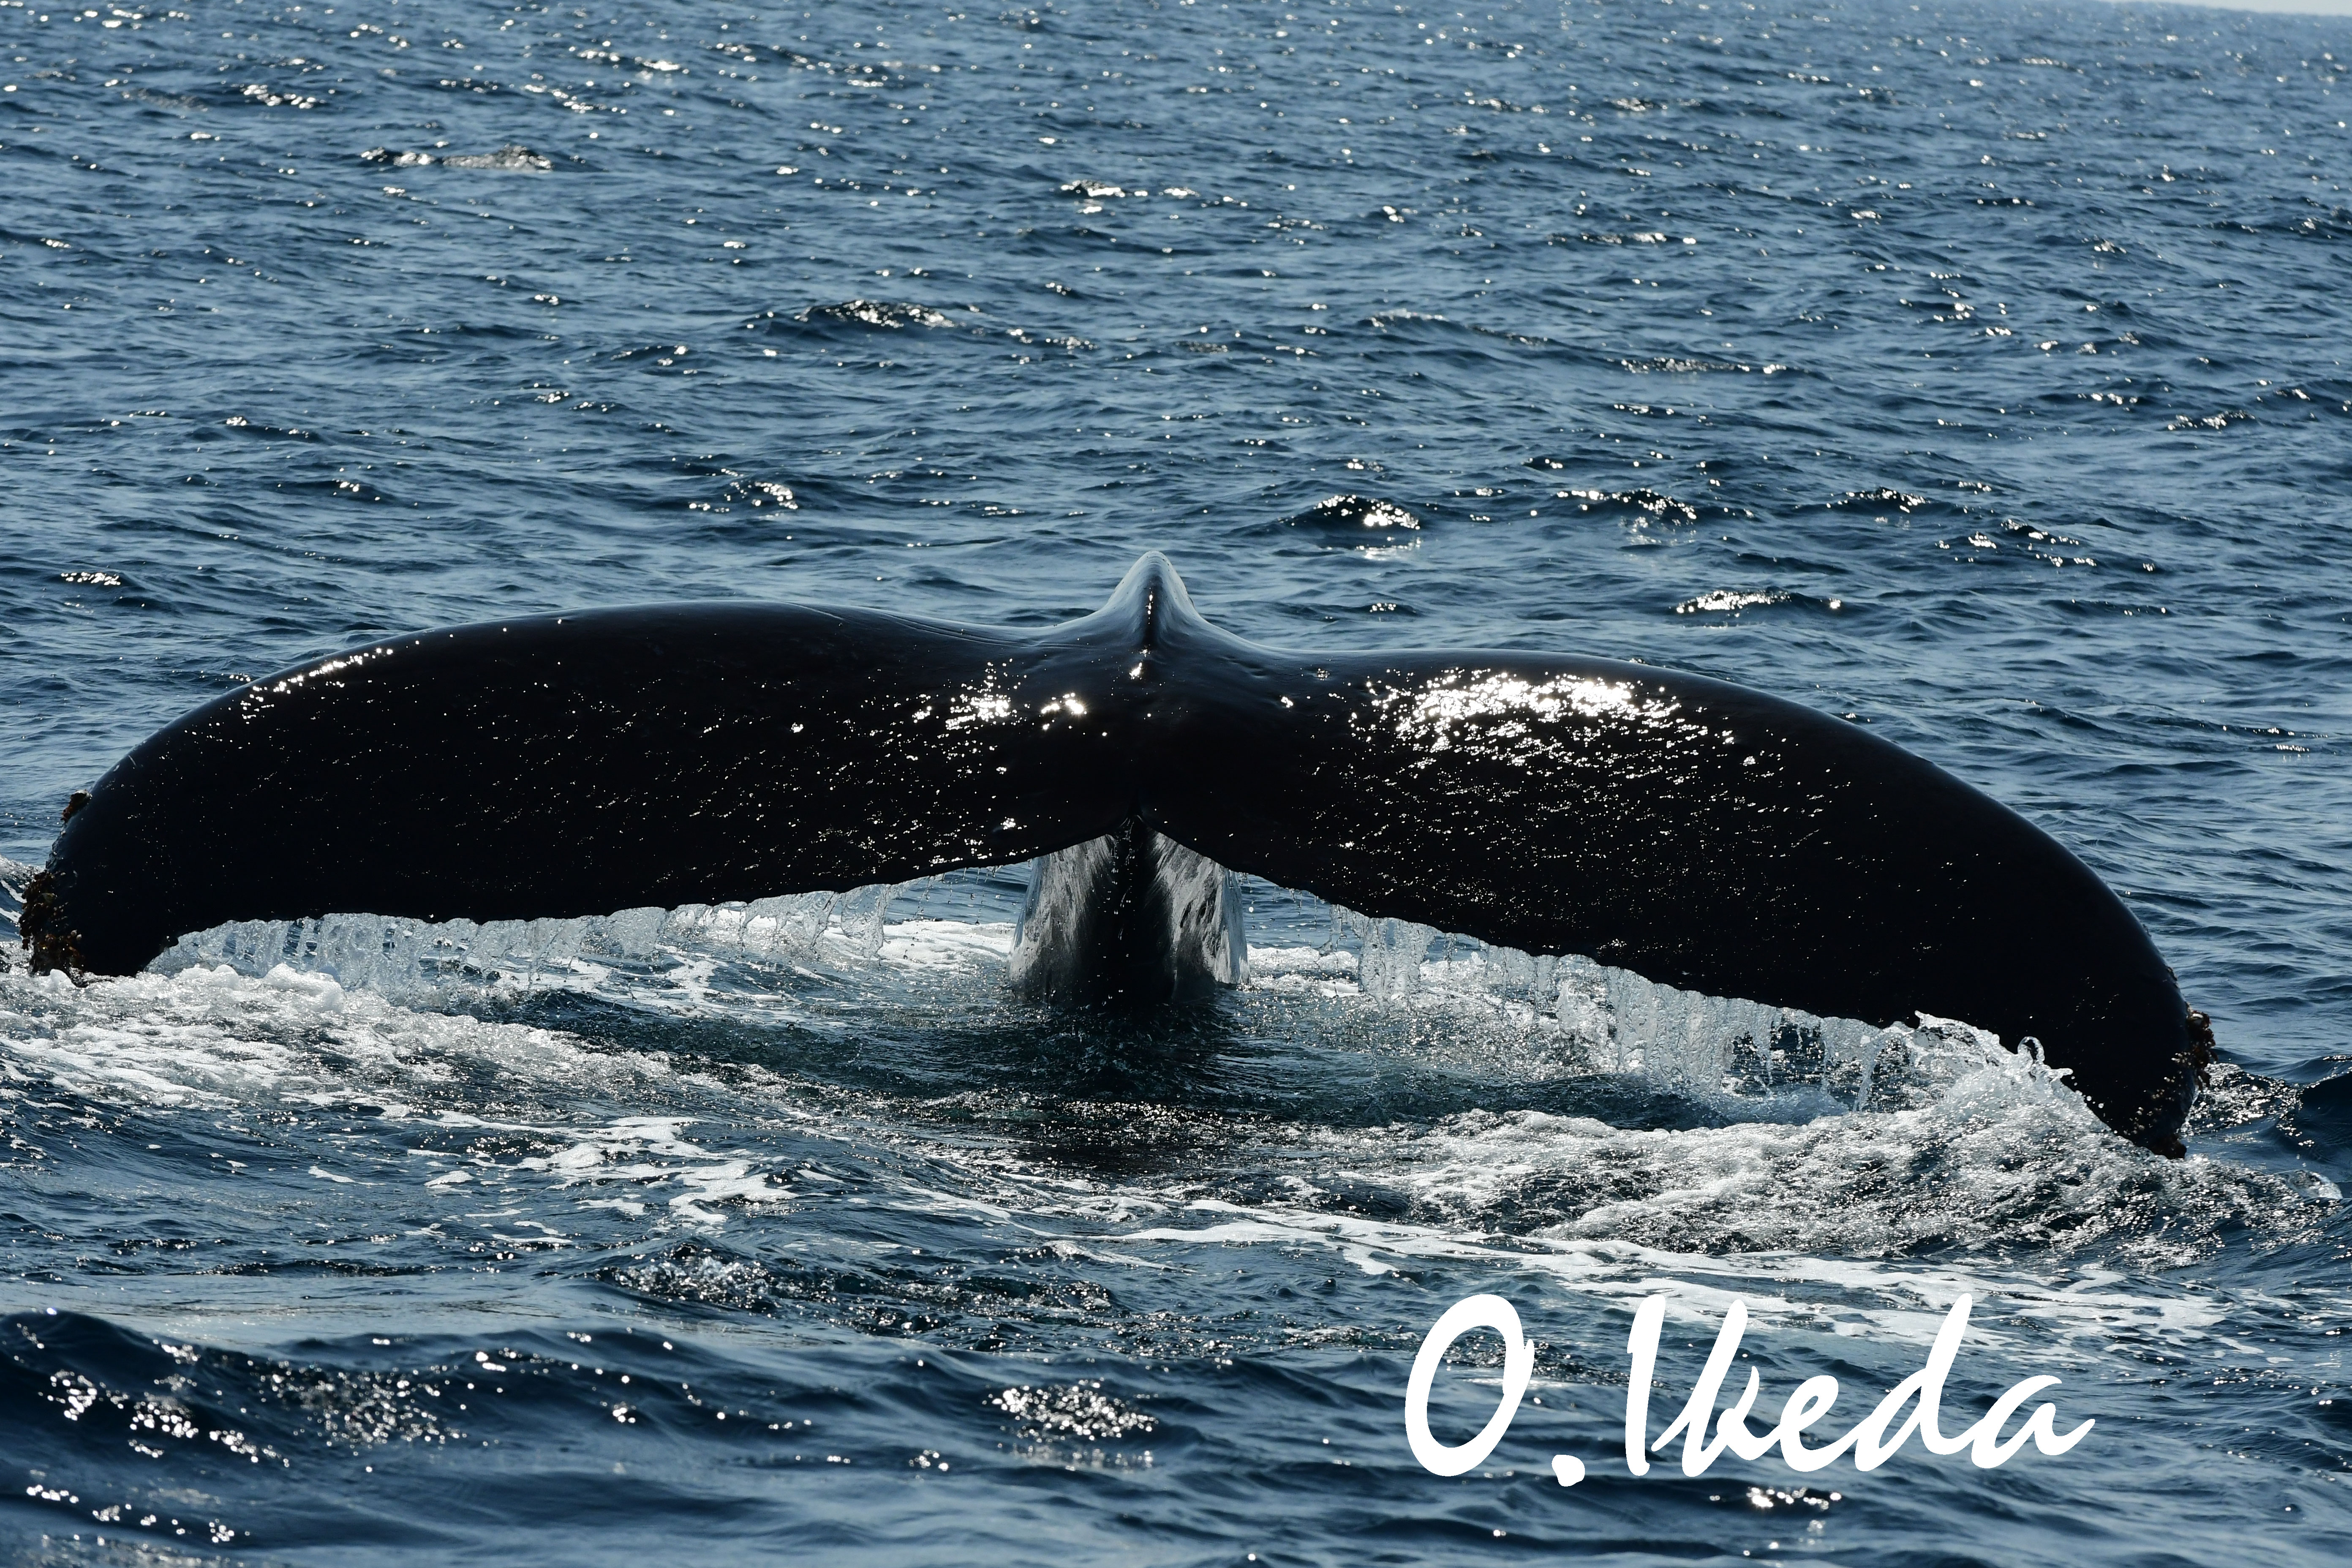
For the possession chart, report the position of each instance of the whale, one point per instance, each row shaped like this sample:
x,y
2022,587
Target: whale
x,y
1698,833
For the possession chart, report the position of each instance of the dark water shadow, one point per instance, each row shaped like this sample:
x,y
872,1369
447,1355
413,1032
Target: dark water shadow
x,y
1215,1081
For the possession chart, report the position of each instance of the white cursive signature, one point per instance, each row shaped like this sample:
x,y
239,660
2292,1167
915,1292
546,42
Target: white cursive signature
x,y
1916,1401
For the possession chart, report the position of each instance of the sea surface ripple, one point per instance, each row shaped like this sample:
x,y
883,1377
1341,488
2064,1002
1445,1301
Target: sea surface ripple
x,y
1975,370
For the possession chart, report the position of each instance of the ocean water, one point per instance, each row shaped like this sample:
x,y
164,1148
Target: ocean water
x,y
1974,371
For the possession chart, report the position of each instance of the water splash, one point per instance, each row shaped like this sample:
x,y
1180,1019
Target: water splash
x,y
427,962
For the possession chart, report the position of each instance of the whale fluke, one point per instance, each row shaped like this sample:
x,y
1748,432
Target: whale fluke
x,y
1131,919
1703,835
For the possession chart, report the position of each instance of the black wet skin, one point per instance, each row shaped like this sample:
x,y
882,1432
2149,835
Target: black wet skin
x,y
1700,833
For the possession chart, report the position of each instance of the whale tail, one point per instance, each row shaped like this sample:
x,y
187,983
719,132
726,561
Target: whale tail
x,y
1133,919
1702,835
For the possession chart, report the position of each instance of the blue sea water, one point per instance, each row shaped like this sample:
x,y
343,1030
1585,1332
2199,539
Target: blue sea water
x,y
1974,371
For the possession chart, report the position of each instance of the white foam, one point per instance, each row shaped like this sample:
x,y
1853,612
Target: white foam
x,y
646,1151
1512,1011
1570,1014
679,960
962,946
210,1035
1845,1150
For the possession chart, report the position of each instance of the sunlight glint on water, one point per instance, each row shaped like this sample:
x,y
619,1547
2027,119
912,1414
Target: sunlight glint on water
x,y
1974,371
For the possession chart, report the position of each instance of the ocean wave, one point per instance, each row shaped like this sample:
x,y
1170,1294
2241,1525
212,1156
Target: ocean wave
x,y
513,158
885,314
1347,516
